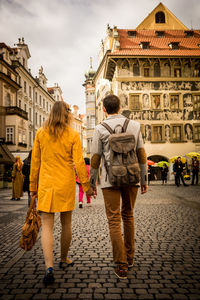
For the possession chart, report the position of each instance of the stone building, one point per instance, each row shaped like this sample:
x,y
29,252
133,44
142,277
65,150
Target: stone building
x,y
155,71
25,102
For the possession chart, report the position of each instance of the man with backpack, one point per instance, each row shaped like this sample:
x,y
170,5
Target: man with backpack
x,y
118,142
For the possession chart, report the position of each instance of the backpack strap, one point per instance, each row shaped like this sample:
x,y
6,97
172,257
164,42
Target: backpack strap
x,y
125,125
107,127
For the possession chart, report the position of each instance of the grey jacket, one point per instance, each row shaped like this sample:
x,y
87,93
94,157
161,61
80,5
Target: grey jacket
x,y
100,149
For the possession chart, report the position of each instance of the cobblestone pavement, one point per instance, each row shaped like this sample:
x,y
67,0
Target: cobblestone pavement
x,y
167,255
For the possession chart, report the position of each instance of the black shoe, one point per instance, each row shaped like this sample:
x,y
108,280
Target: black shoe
x,y
68,263
18,199
12,199
80,205
48,276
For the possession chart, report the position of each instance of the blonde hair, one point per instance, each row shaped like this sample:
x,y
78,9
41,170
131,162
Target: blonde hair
x,y
60,117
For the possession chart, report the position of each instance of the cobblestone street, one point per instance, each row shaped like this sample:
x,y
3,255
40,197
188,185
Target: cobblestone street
x,y
167,256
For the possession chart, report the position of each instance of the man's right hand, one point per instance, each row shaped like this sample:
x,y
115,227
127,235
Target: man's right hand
x,y
144,189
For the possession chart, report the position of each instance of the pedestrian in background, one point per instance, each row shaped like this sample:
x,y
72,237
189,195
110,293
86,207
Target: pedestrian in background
x,y
164,171
56,150
123,246
178,172
26,172
195,170
17,179
81,192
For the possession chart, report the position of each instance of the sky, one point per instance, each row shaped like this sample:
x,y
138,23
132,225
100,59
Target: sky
x,y
62,35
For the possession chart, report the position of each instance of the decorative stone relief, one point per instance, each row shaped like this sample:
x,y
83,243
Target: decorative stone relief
x,y
146,101
167,133
188,131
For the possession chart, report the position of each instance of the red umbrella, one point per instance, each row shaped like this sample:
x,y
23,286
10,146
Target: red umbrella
x,y
150,162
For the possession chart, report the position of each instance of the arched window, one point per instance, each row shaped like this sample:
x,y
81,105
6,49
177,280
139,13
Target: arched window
x,y
160,17
156,70
136,70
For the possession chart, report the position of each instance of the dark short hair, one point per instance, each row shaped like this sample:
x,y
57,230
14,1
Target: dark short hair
x,y
111,104
87,160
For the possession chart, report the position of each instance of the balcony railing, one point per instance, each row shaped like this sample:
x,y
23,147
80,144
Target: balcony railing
x,y
14,110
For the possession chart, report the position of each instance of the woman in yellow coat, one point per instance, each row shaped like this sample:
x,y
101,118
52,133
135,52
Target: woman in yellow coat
x,y
56,151
17,179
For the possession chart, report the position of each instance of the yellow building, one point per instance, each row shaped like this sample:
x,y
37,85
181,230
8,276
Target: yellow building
x,y
155,71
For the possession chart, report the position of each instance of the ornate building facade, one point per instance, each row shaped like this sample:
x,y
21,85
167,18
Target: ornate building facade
x,y
155,71
25,103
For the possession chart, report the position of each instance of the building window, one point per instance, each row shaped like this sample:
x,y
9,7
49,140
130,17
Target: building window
x,y
156,70
146,68
20,80
157,133
47,106
30,138
24,86
134,102
30,92
88,122
20,103
132,33
196,102
189,33
174,45
40,100
10,134
36,118
176,133
36,99
177,72
44,103
160,33
43,120
30,114
196,132
160,17
174,102
197,71
92,120
136,69
40,120
25,107
144,45
156,102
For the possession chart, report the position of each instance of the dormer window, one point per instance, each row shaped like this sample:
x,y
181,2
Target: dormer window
x,y
160,33
144,45
160,17
189,33
132,33
174,45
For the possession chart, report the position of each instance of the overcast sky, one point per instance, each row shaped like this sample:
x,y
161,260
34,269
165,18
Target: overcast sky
x,y
63,34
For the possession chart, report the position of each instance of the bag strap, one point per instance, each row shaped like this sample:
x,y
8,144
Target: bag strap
x,y
32,206
125,125
107,127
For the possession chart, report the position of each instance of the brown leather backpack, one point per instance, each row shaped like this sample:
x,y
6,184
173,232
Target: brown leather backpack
x,y
31,227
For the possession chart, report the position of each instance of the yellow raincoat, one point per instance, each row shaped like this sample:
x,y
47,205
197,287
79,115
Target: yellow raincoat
x,y
52,170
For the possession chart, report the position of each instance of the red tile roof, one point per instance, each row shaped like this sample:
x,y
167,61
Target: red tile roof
x,y
188,46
